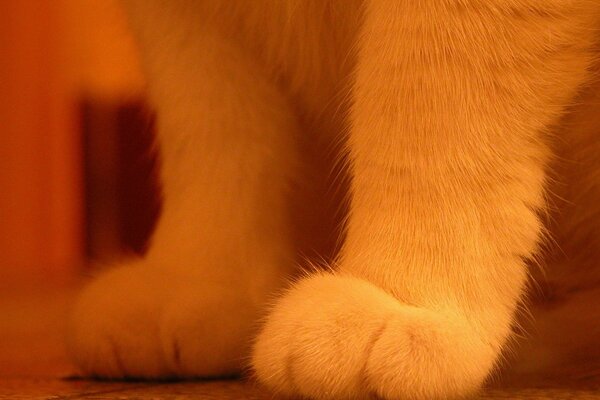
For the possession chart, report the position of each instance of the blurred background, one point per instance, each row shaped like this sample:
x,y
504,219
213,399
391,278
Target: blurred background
x,y
75,140
76,163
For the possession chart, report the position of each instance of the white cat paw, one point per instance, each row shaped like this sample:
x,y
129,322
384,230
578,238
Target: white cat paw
x,y
131,322
114,330
342,337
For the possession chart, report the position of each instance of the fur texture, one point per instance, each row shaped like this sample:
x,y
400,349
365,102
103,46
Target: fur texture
x,y
440,113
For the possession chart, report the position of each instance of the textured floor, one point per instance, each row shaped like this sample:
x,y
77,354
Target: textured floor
x,y
80,389
33,364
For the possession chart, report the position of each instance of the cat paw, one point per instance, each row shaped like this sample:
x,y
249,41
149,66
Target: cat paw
x,y
342,337
114,330
132,322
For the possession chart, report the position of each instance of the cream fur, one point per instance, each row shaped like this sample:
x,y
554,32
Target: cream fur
x,y
444,108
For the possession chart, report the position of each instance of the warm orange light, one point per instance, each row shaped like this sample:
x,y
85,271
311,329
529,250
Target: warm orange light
x,y
51,52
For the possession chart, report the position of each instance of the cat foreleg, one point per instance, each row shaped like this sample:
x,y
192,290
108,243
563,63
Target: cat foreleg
x,y
222,245
451,102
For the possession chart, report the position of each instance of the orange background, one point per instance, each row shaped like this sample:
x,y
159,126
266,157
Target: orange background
x,y
52,52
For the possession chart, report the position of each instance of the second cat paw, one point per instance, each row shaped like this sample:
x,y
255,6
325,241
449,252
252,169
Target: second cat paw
x,y
139,323
336,337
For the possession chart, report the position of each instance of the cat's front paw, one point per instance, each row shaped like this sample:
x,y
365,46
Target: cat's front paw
x,y
340,337
114,329
141,323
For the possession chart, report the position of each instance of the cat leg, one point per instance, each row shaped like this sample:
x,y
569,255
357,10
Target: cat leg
x,y
451,101
222,243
